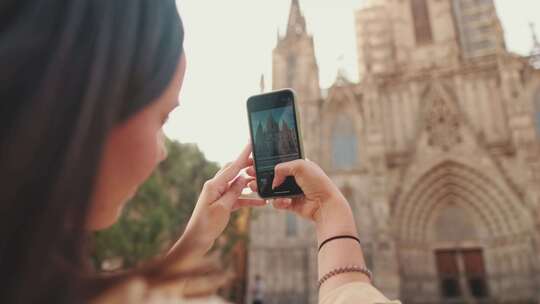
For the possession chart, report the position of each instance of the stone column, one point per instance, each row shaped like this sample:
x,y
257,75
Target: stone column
x,y
384,257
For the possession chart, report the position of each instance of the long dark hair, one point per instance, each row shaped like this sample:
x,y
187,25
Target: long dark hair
x,y
70,70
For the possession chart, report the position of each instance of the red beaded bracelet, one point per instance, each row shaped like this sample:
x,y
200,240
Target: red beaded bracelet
x,y
351,268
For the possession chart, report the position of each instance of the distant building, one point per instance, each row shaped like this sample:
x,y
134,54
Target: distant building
x,y
437,149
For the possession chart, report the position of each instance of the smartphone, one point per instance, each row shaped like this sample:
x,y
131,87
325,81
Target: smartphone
x,y
275,136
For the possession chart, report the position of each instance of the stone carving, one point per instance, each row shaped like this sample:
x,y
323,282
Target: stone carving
x,y
442,125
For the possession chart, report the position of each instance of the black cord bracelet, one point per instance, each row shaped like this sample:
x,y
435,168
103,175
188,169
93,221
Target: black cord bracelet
x,y
339,237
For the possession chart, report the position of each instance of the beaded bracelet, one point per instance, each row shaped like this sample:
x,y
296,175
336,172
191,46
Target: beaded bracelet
x,y
351,268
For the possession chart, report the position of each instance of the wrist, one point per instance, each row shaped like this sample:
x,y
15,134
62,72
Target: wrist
x,y
194,243
335,218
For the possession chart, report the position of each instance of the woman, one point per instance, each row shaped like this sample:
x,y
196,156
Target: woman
x,y
86,87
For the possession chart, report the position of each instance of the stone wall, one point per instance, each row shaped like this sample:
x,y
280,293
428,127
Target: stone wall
x,y
447,160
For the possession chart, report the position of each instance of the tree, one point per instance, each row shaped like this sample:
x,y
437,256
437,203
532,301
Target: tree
x,y
157,214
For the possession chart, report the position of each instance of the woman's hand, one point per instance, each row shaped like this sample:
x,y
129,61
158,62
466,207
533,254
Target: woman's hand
x,y
322,201
219,197
324,204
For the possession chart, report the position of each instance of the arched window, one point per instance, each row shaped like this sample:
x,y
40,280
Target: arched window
x,y
344,143
422,24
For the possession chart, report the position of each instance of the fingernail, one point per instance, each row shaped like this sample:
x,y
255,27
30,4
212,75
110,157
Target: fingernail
x,y
287,201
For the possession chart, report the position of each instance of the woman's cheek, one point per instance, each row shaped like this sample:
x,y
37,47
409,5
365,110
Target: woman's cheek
x,y
155,152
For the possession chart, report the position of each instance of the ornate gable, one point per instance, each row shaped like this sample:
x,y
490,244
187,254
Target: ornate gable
x,y
441,119
442,123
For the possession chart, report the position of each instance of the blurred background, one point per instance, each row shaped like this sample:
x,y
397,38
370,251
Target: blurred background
x,y
426,114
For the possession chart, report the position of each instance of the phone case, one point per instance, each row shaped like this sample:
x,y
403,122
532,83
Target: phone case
x,y
300,144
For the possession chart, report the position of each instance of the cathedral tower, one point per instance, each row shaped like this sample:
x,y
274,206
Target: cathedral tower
x,y
422,34
295,66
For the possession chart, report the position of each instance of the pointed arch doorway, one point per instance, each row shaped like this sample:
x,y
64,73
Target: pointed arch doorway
x,y
455,231
459,255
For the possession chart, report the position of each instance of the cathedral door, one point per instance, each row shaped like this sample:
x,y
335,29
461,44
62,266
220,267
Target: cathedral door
x,y
462,275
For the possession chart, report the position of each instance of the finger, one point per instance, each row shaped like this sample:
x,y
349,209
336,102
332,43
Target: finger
x,y
282,170
232,171
248,180
223,168
250,161
253,186
251,171
248,203
282,203
230,197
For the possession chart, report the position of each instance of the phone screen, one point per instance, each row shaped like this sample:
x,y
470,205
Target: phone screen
x,y
275,138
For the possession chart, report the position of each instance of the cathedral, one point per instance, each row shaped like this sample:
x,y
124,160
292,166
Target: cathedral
x,y
437,149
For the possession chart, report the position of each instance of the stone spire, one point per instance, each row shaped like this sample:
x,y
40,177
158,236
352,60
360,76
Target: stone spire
x,y
262,83
294,62
341,77
297,22
534,37
535,52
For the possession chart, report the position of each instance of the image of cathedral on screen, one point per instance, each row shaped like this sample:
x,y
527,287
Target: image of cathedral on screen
x,y
274,133
436,148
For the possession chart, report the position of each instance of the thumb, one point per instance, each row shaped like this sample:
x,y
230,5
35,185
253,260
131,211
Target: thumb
x,y
231,195
293,168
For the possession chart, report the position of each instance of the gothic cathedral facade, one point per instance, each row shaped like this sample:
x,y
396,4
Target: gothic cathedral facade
x,y
437,149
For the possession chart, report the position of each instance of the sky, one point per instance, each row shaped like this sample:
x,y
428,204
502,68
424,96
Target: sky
x,y
229,45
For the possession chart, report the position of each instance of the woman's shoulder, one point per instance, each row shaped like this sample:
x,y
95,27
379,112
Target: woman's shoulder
x,y
137,290
355,292
170,279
